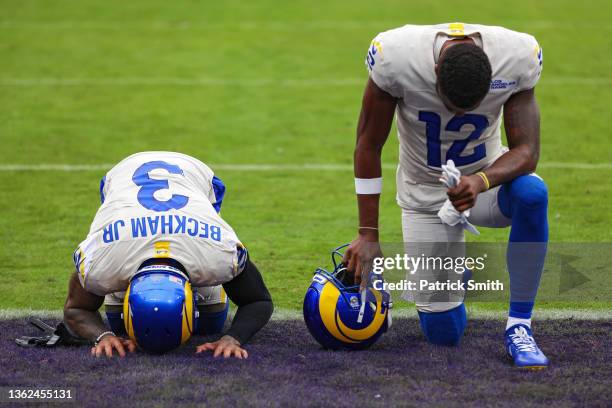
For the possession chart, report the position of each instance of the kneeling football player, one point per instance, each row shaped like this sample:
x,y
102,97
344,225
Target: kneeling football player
x,y
163,262
450,85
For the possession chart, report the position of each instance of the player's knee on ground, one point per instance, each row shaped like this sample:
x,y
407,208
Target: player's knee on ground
x,y
212,318
444,328
527,191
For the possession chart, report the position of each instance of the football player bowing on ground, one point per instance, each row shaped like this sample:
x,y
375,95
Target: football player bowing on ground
x,y
164,259
449,85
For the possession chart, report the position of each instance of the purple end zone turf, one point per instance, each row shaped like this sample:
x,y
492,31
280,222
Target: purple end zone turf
x,y
287,368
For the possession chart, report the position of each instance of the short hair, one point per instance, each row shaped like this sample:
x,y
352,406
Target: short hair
x,y
464,75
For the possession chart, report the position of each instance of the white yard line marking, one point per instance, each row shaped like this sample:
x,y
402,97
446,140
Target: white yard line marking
x,y
271,167
578,166
55,167
246,82
291,314
473,312
156,81
375,26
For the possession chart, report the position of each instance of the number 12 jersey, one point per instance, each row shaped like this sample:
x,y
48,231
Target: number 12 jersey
x,y
402,63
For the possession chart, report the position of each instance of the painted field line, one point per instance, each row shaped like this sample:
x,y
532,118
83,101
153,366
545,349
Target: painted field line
x,y
159,81
246,82
291,314
546,314
579,166
271,167
375,26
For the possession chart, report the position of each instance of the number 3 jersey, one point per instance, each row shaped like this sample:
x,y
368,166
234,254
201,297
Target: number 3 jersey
x,y
402,63
158,205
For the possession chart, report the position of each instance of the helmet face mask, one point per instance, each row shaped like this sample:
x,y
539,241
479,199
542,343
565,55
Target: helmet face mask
x,y
159,309
340,317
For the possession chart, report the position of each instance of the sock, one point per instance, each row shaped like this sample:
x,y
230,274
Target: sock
x,y
517,320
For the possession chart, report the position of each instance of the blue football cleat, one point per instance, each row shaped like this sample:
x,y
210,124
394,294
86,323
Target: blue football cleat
x,y
521,346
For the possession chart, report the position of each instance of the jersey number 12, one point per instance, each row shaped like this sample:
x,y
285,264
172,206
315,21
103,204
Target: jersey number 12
x,y
434,145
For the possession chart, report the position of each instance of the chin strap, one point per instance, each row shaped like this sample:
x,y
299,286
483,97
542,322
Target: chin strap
x,y
364,295
389,307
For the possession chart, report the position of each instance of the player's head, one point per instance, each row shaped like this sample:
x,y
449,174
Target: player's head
x,y
463,75
158,309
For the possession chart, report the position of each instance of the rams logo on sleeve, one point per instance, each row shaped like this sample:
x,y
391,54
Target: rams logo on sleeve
x,y
374,50
539,54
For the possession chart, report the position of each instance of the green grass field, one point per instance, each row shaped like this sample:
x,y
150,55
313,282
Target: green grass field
x,y
234,83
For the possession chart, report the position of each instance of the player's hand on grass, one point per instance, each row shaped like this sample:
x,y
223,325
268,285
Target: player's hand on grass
x,y
360,253
109,343
226,346
464,195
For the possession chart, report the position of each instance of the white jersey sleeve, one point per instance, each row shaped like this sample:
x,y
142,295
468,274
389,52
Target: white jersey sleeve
x,y
380,61
530,60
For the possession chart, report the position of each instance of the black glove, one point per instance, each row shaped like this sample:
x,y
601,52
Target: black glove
x,y
60,335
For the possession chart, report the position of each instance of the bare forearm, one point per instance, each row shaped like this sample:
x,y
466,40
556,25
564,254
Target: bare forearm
x,y
81,311
510,165
84,323
367,160
367,166
372,130
375,121
522,124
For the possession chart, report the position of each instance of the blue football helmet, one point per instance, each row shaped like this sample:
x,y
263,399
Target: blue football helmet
x,y
159,308
340,317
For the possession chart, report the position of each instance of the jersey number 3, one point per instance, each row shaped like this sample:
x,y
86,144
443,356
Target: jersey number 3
x,y
149,186
434,144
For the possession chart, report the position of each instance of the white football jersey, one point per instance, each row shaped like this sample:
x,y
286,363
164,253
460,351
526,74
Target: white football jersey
x,y
157,205
402,63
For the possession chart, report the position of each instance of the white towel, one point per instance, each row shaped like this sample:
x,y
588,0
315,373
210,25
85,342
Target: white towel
x,y
448,214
